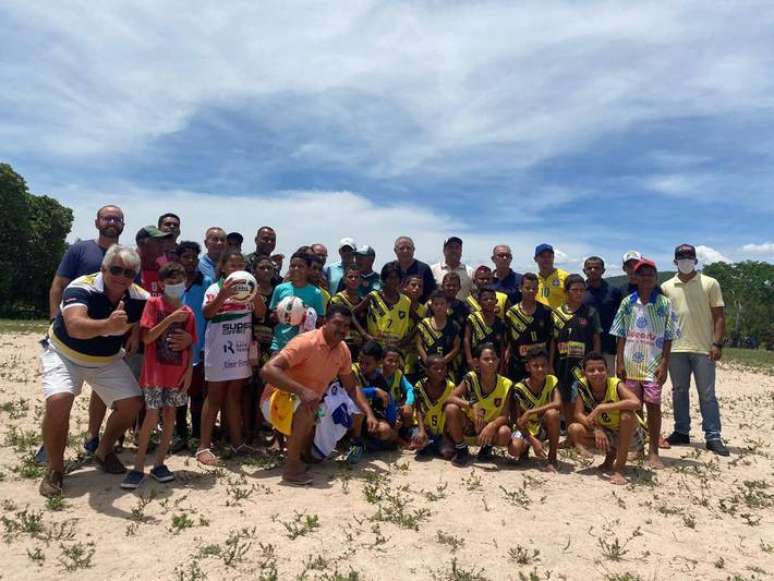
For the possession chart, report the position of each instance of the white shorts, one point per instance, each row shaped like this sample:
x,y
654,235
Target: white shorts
x,y
111,382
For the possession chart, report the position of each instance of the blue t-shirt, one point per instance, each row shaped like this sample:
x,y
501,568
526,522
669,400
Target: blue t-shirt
x,y
208,267
311,297
194,298
83,257
333,274
605,300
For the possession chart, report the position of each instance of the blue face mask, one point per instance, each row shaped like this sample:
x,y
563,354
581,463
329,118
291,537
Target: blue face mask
x,y
174,291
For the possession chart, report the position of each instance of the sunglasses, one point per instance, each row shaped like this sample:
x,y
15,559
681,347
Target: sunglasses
x,y
129,273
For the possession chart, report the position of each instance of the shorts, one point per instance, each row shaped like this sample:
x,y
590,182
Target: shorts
x,y
647,391
135,361
638,438
542,434
111,382
569,392
159,397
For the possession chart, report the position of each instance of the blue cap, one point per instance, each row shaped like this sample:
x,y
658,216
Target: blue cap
x,y
540,248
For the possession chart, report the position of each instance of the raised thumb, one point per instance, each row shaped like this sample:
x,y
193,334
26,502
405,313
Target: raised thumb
x,y
120,306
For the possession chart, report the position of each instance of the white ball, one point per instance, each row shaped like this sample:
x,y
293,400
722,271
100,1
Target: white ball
x,y
291,311
246,286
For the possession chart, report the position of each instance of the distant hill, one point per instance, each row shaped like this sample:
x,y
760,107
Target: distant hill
x,y
621,279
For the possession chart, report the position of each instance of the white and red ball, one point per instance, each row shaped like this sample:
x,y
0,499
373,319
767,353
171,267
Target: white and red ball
x,y
291,311
245,286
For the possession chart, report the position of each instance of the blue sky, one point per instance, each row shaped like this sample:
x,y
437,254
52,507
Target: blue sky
x,y
599,127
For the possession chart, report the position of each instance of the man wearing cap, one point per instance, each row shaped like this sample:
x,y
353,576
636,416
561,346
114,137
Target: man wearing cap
x,y
410,266
550,279
335,272
698,302
369,280
452,255
152,244
504,279
234,241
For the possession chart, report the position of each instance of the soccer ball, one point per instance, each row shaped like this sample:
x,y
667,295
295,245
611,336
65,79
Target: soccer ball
x,y
246,286
291,311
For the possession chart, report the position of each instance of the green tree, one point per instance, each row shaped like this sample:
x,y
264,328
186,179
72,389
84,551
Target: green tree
x,y
32,232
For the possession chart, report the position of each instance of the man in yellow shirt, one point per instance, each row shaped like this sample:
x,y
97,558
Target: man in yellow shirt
x,y
550,279
698,302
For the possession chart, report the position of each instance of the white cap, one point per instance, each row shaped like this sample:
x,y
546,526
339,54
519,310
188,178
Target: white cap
x,y
348,242
632,255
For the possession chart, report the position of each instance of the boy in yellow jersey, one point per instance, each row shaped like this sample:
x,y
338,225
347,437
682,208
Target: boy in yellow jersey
x,y
437,335
401,390
350,298
430,396
479,408
483,278
413,287
604,416
388,311
550,279
530,326
484,326
535,403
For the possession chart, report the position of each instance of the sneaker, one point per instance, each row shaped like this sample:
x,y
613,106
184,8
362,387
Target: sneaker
x,y
133,480
51,485
460,457
162,474
90,445
718,447
355,453
41,456
485,454
111,464
678,439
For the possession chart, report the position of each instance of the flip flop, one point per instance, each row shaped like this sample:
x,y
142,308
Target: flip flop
x,y
302,480
209,459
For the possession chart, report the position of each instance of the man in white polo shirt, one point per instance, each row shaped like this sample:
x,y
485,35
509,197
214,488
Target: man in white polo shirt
x,y
452,254
698,302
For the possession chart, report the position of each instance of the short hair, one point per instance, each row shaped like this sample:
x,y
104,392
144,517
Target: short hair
x,y
594,356
414,277
127,255
407,238
262,228
372,349
168,215
352,268
438,294
388,269
314,259
392,349
530,276
573,279
451,276
188,245
536,353
211,228
434,358
171,270
302,256
595,259
338,309
109,206
228,255
488,289
306,249
481,347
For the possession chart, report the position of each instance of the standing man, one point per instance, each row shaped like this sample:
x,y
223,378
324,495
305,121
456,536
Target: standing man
x,y
215,243
550,279
452,255
408,265
505,279
234,241
321,251
335,272
265,243
605,299
698,302
369,280
170,223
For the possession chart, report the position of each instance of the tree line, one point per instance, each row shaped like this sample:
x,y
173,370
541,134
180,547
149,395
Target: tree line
x,y
33,229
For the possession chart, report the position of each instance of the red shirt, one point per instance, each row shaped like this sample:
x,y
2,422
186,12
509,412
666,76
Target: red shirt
x,y
163,367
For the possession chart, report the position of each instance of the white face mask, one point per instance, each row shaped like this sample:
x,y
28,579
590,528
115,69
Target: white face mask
x,y
686,265
174,291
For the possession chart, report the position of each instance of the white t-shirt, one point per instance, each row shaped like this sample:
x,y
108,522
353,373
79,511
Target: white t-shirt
x,y
227,339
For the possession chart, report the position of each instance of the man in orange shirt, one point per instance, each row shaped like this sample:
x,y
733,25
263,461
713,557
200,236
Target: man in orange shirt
x,y
304,369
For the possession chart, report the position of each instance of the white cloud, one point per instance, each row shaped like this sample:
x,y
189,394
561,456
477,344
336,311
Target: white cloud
x,y
708,255
764,249
675,184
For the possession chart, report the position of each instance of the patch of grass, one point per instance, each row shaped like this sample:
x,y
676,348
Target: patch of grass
x,y
395,508
517,497
758,360
450,540
29,468
613,550
25,521
623,577
522,555
76,556
37,556
455,572
23,326
16,408
56,503
190,571
472,482
301,525
180,522
438,494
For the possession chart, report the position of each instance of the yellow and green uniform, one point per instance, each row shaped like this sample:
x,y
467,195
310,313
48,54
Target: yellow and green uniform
x,y
432,410
526,332
410,356
388,324
481,332
326,296
500,309
527,400
440,342
493,402
609,420
551,288
354,339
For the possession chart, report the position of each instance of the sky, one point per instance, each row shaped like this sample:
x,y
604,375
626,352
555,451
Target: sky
x,y
598,127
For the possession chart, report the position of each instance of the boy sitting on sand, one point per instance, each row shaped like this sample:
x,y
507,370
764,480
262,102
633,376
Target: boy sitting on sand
x,y
604,416
430,396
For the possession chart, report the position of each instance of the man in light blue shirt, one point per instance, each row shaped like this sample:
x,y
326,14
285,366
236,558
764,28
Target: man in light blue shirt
x,y
335,272
215,243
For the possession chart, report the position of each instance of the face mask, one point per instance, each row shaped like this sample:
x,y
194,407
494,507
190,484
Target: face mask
x,y
686,265
174,291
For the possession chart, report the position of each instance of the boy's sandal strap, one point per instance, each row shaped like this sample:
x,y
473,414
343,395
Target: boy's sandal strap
x,y
206,457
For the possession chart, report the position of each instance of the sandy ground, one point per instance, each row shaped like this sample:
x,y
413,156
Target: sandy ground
x,y
703,517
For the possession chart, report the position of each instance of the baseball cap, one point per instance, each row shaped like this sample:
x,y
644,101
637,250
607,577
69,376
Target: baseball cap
x,y
644,262
451,240
151,232
540,248
685,251
348,242
632,255
235,236
365,250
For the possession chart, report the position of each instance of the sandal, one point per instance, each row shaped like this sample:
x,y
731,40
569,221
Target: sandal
x,y
206,457
301,480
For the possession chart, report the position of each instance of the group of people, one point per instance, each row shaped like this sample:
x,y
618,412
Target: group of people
x,y
433,358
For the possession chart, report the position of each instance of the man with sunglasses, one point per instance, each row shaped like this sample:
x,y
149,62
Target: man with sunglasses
x,y
85,344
